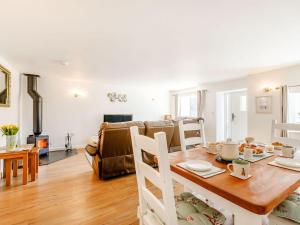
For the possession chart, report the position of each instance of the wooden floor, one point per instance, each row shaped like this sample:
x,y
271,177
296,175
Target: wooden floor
x,y
67,192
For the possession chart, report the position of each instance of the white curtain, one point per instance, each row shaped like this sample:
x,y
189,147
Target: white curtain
x,y
201,102
284,108
176,105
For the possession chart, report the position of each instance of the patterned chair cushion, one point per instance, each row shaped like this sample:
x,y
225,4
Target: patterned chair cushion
x,y
289,208
193,211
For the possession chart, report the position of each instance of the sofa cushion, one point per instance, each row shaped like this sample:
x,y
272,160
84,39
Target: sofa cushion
x,y
91,150
166,126
93,141
115,139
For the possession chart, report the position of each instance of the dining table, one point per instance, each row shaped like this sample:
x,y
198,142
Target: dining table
x,y
248,200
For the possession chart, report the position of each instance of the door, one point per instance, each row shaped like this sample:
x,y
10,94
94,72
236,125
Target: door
x,y
236,115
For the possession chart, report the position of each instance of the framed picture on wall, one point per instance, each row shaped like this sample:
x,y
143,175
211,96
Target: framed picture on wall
x,y
264,104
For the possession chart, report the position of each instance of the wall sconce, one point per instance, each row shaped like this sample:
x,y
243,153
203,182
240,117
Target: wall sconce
x,y
269,89
113,97
77,93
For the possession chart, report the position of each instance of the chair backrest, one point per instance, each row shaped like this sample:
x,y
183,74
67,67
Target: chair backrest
x,y
165,209
191,140
285,127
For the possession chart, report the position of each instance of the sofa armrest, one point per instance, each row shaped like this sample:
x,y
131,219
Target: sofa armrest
x,y
91,150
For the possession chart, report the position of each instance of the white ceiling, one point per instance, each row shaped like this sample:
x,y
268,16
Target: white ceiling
x,y
178,43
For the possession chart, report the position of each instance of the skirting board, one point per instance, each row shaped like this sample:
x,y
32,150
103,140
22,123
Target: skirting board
x,y
63,148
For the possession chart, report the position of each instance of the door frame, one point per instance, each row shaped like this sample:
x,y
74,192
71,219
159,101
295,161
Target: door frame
x,y
222,112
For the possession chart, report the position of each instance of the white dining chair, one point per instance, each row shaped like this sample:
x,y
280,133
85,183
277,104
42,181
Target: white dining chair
x,y
285,127
191,140
164,209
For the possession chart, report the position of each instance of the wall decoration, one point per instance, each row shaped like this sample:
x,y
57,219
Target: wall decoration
x,y
264,104
113,97
4,87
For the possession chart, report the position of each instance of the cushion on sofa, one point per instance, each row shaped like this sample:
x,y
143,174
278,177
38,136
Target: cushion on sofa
x,y
91,150
93,141
166,126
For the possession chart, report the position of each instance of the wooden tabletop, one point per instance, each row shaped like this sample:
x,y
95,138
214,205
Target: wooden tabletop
x,y
268,186
27,147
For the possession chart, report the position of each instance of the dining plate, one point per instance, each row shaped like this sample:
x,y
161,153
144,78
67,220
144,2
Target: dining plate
x,y
257,155
288,162
198,165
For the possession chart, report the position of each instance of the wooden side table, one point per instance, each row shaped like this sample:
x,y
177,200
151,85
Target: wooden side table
x,y
8,157
21,153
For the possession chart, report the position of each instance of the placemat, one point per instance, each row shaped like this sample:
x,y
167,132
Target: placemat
x,y
214,171
273,163
257,158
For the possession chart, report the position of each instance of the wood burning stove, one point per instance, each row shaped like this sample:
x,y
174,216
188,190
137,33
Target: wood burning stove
x,y
41,141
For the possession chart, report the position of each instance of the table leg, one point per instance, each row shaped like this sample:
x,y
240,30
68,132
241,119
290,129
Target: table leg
x,y
29,163
8,171
37,161
33,166
15,168
25,169
4,173
247,218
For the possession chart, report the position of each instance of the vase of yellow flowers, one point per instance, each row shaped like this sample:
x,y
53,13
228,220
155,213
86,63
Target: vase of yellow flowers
x,y
10,131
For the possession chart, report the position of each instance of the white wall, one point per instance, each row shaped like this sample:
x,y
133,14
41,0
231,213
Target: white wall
x,y
10,115
64,113
260,124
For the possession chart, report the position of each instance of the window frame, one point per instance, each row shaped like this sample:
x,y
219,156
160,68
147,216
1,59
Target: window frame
x,y
192,94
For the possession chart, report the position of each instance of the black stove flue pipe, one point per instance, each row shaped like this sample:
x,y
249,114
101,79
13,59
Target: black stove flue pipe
x,y
37,103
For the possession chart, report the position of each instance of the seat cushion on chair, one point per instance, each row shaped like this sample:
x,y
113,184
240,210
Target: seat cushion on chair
x,y
289,208
192,211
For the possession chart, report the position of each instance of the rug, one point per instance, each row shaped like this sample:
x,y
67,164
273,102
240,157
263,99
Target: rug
x,y
54,156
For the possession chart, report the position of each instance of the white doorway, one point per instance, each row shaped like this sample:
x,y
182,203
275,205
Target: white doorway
x,y
232,115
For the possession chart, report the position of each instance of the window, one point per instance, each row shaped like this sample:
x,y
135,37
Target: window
x,y
294,104
187,105
243,103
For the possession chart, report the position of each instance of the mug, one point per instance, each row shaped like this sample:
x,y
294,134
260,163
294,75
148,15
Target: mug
x,y
270,148
248,153
241,168
212,148
288,151
228,151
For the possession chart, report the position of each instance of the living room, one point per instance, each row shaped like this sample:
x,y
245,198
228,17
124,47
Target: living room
x,y
91,93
